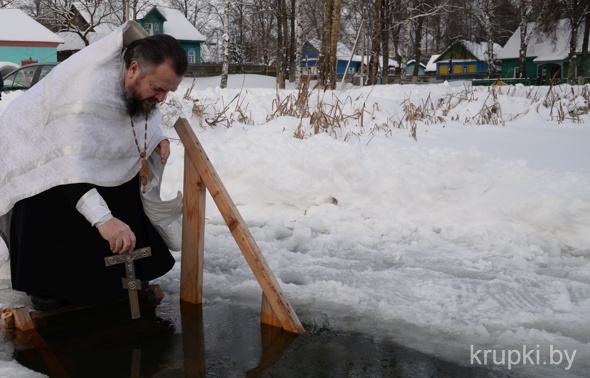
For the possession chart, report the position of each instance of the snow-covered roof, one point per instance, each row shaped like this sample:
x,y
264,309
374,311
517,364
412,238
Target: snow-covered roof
x,y
17,26
72,41
359,58
431,66
108,23
545,47
414,61
342,51
480,50
177,25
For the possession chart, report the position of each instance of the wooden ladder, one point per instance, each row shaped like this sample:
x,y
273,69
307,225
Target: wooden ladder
x,y
200,176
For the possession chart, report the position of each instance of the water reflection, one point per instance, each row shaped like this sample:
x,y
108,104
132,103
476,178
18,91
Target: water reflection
x,y
178,339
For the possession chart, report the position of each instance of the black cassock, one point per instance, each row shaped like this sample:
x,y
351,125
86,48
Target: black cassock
x,y
55,251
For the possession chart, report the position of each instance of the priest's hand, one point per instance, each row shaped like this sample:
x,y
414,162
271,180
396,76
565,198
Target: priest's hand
x,y
119,235
163,149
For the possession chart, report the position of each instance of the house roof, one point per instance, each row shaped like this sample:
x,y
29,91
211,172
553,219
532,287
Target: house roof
x,y
177,25
342,52
72,40
543,47
431,65
413,61
478,50
17,26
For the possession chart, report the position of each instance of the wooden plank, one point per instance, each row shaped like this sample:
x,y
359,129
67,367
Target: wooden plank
x,y
193,235
193,340
267,315
22,319
277,300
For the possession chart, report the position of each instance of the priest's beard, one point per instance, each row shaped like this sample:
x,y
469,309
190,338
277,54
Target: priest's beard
x,y
135,106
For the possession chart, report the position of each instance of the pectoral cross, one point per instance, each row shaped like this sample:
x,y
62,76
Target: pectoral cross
x,y
129,281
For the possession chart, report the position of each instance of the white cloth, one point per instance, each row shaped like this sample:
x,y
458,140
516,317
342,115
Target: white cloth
x,y
165,216
72,126
94,208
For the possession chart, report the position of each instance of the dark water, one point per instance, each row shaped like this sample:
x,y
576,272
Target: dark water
x,y
213,340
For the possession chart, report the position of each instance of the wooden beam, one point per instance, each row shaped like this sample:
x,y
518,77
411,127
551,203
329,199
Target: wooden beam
x,y
277,300
193,234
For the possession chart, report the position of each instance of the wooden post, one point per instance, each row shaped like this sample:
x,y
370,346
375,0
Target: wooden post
x,y
278,303
193,234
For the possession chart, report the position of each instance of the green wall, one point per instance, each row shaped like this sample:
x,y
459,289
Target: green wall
x,y
16,54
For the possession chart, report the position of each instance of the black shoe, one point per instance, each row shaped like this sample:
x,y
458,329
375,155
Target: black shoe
x,y
46,302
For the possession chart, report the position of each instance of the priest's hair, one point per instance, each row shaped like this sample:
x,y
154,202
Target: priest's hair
x,y
154,50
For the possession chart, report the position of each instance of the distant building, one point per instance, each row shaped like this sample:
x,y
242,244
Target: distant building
x,y
465,60
311,52
410,68
547,55
157,20
22,39
160,20
431,65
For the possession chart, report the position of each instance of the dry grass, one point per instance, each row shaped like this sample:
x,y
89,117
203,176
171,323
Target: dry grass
x,y
341,116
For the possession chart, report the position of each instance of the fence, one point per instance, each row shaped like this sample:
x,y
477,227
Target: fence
x,y
207,69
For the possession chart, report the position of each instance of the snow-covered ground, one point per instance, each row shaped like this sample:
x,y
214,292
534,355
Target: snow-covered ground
x,y
470,242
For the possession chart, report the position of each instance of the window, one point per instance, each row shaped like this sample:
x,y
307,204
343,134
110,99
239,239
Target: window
x,y
149,28
444,70
191,56
44,71
458,69
516,72
156,26
472,68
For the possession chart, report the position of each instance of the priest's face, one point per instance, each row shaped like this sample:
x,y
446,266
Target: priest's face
x,y
144,89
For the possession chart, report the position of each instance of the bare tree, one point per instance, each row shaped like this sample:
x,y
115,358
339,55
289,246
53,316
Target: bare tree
x,y
225,65
299,42
585,41
282,33
375,44
327,61
575,12
486,13
529,13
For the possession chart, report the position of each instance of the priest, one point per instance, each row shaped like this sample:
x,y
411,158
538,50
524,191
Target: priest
x,y
73,165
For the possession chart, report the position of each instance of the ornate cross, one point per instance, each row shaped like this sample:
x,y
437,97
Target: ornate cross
x,y
130,282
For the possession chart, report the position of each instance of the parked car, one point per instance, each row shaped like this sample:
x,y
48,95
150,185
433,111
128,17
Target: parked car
x,y
25,77
7,67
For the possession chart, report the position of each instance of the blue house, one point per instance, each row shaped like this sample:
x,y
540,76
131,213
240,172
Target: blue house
x,y
410,67
310,57
23,40
465,60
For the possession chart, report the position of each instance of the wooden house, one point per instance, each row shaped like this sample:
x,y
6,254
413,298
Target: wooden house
x,y
465,60
155,21
311,53
160,20
410,68
23,40
547,55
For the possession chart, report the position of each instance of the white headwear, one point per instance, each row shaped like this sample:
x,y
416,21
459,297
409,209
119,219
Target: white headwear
x,y
72,126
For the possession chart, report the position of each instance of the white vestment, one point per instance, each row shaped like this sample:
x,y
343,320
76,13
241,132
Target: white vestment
x,y
73,127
